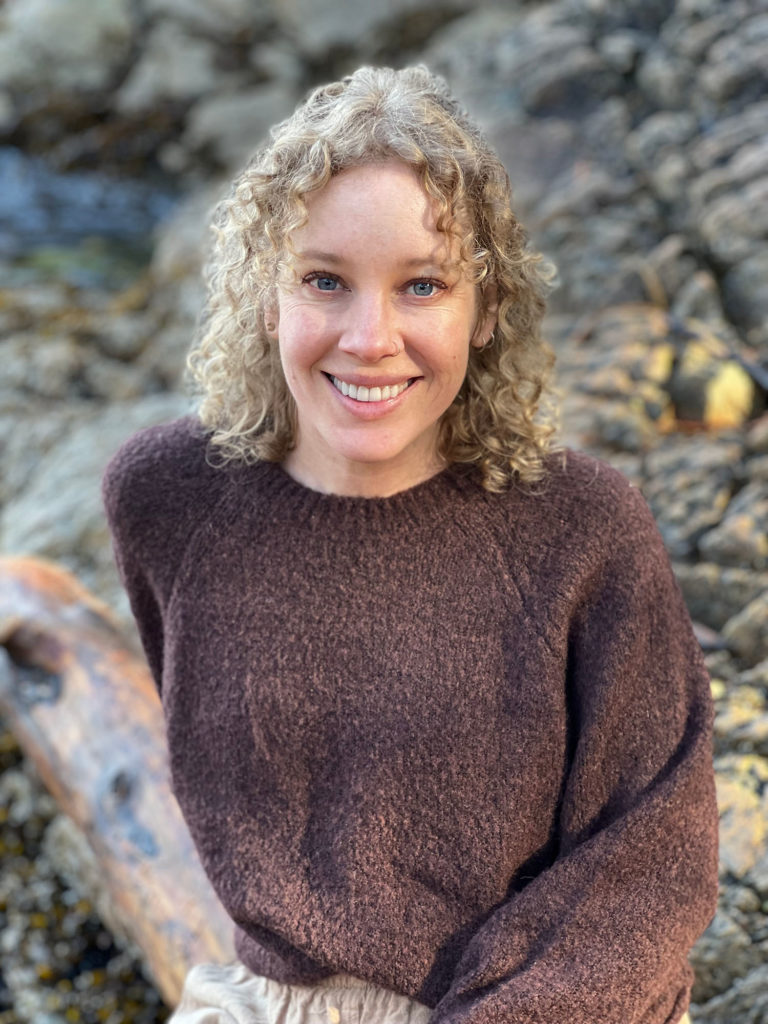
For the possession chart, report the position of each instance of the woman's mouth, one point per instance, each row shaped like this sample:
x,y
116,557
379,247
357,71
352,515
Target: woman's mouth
x,y
361,393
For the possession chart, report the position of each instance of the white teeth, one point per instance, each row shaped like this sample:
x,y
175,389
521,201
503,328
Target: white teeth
x,y
363,394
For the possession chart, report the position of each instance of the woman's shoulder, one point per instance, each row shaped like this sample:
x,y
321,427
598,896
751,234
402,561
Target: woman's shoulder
x,y
163,446
160,467
581,499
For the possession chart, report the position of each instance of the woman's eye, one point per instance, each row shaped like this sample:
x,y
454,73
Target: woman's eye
x,y
322,282
424,289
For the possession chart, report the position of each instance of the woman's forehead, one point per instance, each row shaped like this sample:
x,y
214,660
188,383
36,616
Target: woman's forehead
x,y
378,204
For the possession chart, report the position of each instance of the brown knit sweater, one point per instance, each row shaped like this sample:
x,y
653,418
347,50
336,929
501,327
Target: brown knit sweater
x,y
454,743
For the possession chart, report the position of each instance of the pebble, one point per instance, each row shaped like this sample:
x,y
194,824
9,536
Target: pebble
x,y
59,964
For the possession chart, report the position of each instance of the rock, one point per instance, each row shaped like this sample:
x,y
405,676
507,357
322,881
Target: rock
x,y
743,803
277,61
46,366
710,386
728,134
715,594
724,953
658,135
50,45
182,239
741,539
605,16
735,225
666,80
320,26
722,668
741,724
745,296
689,485
213,19
230,126
173,65
736,63
59,515
746,1001
698,297
123,335
475,49
757,436
621,49
747,632
563,77
757,676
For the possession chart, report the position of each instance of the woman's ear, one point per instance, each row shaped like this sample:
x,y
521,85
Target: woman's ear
x,y
486,322
271,320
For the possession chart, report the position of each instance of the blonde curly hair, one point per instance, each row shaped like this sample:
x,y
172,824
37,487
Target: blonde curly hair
x,y
498,421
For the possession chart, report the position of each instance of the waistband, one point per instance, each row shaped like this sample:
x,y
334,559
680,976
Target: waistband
x,y
342,981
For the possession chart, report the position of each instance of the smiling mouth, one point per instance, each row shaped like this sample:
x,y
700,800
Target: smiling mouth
x,y
361,393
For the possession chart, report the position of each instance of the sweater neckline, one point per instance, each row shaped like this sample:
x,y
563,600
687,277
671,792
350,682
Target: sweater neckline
x,y
272,478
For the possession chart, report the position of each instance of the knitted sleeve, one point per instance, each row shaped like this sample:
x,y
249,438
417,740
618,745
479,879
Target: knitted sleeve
x,y
602,936
155,488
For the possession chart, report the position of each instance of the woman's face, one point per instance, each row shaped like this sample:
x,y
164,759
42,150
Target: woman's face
x,y
374,334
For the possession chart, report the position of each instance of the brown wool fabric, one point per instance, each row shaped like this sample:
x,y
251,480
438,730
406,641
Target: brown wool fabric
x,y
453,743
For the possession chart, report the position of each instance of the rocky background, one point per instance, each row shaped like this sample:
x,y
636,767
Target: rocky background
x,y
636,133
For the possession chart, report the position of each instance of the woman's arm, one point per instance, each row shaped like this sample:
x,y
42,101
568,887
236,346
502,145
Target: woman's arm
x,y
602,936
157,488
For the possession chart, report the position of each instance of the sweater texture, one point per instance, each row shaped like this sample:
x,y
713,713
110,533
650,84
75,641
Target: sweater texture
x,y
454,743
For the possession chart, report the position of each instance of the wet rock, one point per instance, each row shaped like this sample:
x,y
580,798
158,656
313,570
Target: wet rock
x,y
747,632
41,207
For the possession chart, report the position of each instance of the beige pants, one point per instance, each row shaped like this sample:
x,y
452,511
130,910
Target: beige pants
x,y
233,995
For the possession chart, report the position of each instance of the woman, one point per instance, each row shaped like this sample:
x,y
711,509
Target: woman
x,y
436,716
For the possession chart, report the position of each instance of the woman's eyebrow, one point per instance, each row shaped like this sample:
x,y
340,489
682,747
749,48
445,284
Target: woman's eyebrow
x,y
321,257
427,261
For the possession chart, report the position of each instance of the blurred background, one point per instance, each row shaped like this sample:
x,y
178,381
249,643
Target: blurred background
x,y
636,136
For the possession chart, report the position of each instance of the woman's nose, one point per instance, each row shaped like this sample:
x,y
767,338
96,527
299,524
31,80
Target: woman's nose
x,y
370,330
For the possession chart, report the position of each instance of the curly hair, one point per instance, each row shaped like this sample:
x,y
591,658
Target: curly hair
x,y
501,419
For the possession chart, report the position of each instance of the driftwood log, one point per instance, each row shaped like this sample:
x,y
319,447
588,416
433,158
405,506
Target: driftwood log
x,y
85,710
